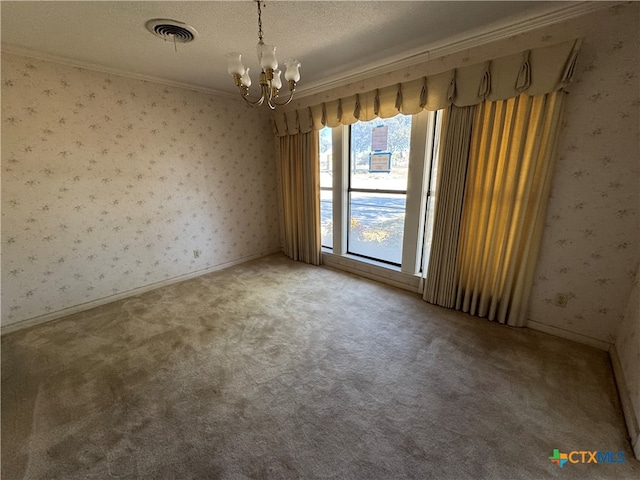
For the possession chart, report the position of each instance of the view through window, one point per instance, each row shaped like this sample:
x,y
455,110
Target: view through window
x,y
379,163
376,188
326,187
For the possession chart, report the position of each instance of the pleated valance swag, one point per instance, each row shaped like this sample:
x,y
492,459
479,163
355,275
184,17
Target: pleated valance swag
x,y
534,72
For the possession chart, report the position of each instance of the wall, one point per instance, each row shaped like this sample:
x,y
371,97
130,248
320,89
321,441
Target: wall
x,y
591,242
627,363
109,184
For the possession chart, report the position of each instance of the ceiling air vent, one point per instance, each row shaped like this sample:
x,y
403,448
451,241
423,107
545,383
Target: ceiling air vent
x,y
172,30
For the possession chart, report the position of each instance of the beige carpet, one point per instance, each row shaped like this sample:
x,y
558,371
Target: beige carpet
x,y
276,369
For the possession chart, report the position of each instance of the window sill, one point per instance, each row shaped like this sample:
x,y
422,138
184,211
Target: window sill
x,y
364,267
368,261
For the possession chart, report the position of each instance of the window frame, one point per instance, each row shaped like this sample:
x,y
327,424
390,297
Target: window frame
x,y
351,190
423,128
327,189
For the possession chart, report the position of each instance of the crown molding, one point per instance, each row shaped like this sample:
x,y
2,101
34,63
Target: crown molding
x,y
395,62
25,52
454,45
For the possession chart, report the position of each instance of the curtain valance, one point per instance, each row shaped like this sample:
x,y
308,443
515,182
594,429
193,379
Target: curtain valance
x,y
534,72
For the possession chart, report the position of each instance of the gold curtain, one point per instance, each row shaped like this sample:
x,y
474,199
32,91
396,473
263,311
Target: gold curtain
x,y
299,167
505,199
455,140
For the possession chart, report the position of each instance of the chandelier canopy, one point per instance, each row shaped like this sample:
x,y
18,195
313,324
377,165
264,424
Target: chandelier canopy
x,y
270,81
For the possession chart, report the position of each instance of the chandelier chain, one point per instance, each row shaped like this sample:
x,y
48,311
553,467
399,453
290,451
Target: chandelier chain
x,y
259,21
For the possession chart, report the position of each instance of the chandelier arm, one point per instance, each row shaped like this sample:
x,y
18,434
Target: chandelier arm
x,y
255,103
244,93
266,93
278,104
292,89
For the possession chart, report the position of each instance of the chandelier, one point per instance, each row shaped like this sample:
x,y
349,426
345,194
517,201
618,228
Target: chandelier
x,y
270,82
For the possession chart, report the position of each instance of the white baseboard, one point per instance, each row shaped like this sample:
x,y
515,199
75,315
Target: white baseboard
x,y
576,337
630,415
30,322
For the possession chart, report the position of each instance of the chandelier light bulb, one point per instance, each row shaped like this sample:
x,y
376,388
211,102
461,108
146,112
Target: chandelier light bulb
x,y
293,70
276,82
260,50
234,64
268,59
246,80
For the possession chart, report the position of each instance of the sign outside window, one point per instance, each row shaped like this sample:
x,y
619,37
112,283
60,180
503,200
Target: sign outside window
x,y
379,158
380,162
379,138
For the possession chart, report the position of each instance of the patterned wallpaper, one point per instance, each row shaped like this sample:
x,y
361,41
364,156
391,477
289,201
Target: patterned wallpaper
x,y
109,184
628,346
590,249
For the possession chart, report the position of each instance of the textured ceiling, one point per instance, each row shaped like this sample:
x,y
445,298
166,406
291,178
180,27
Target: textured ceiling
x,y
331,39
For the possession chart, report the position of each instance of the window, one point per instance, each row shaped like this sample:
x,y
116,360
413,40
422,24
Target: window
x,y
374,184
431,195
378,170
326,187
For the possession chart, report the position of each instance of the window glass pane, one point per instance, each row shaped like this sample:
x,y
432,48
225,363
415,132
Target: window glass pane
x,y
376,225
326,218
431,199
370,168
326,158
326,185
